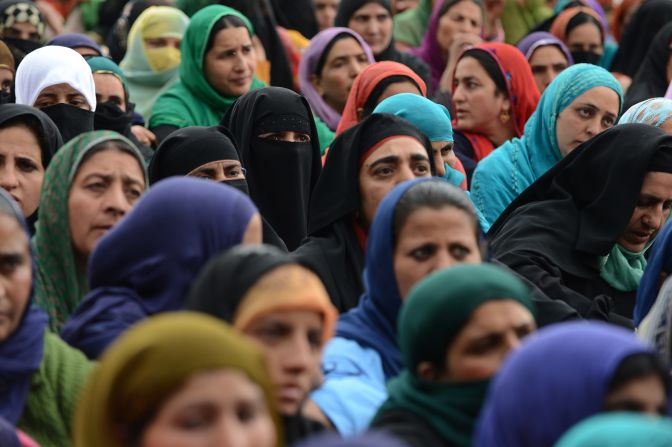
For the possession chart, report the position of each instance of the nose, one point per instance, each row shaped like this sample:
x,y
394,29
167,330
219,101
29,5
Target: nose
x,y
230,432
655,218
438,161
356,68
8,178
458,95
594,127
115,200
299,358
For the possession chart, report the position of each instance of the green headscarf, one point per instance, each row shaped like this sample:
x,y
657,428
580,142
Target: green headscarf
x,y
410,26
623,269
60,285
152,361
435,312
192,101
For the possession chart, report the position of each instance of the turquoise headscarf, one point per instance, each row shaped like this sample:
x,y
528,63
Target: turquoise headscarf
x,y
101,64
619,430
431,118
511,168
654,111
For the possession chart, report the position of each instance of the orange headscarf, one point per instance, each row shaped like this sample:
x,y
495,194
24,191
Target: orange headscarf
x,y
619,15
559,27
521,90
364,85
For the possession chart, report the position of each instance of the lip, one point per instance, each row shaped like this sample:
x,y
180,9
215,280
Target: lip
x,y
16,199
240,81
642,237
104,227
290,393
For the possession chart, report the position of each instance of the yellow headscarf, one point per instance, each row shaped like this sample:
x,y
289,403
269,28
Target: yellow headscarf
x,y
152,361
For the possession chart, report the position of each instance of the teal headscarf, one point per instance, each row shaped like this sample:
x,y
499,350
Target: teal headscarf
x,y
431,118
654,111
511,168
192,101
101,64
619,430
433,315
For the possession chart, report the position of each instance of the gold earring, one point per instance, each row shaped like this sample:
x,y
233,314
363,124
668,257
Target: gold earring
x,y
504,117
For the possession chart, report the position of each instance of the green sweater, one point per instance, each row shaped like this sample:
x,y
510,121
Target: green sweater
x,y
54,390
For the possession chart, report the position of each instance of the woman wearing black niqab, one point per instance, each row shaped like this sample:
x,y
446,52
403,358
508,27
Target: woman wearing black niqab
x,y
565,232
335,248
281,174
651,80
192,151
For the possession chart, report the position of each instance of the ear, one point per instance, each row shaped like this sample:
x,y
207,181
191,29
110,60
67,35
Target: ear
x,y
506,105
317,84
425,370
360,111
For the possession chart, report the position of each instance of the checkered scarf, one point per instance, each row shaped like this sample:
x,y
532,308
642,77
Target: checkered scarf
x,y
20,13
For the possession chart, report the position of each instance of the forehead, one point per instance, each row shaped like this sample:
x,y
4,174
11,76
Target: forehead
x,y
602,97
585,31
547,53
12,235
496,315
465,7
107,81
372,8
470,67
402,146
345,46
229,37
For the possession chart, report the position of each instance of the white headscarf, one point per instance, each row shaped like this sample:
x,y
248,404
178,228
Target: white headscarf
x,y
52,65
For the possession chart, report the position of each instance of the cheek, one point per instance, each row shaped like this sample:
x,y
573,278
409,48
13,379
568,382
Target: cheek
x,y
408,272
336,83
80,211
468,367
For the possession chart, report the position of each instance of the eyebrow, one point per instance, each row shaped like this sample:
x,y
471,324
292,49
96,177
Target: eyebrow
x,y
13,256
346,56
108,178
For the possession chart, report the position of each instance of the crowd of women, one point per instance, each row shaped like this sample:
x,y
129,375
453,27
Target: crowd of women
x,y
264,223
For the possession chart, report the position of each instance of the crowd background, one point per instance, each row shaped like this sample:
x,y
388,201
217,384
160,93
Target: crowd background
x,y
402,223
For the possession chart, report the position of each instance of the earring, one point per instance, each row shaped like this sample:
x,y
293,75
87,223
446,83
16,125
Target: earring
x,y
504,117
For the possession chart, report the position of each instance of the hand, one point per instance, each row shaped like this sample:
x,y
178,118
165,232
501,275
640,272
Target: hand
x,y
494,9
144,136
459,44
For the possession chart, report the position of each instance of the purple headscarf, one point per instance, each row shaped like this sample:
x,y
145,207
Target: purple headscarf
x,y
430,51
311,57
542,39
75,40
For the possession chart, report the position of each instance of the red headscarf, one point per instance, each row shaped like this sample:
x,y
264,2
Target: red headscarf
x,y
364,85
521,90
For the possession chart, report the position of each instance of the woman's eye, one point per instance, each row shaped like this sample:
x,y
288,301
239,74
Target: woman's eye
x,y
383,172
459,252
421,169
608,122
27,166
423,253
585,113
302,138
96,187
134,193
246,413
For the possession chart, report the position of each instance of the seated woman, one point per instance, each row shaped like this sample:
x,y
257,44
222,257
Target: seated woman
x,y
90,184
147,263
494,95
42,376
214,72
363,165
582,102
547,56
566,234
328,68
208,153
152,60
284,308
179,379
434,121
618,430
453,26
421,226
58,81
372,19
28,141
374,84
617,373
114,110
581,30
455,330
22,27
278,145
654,77
654,112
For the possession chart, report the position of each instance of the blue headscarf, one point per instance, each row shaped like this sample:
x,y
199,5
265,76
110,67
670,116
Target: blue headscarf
x,y
431,118
619,430
654,111
145,264
373,323
511,168
660,260
8,437
557,378
21,353
370,439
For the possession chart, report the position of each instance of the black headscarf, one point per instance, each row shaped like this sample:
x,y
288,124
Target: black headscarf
x,y
48,134
639,36
191,147
574,214
333,249
281,175
347,8
651,78
297,15
234,271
